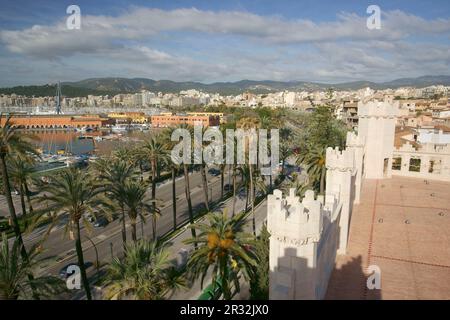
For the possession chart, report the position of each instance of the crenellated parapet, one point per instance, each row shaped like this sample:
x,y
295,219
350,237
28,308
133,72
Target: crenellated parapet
x,y
340,160
355,140
427,148
292,221
378,109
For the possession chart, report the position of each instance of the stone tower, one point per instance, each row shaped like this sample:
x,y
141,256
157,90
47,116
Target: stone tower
x,y
377,126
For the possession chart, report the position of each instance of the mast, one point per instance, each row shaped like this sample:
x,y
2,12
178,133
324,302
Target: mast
x,y
58,98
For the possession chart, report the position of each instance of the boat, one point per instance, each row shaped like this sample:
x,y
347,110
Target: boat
x,y
120,128
84,129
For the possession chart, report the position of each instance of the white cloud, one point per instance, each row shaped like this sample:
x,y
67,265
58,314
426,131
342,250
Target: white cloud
x,y
98,32
264,47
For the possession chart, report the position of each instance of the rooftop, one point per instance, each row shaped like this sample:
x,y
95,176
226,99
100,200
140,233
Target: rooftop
x,y
402,226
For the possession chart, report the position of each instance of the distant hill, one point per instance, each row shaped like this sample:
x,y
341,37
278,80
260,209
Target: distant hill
x,y
103,86
48,90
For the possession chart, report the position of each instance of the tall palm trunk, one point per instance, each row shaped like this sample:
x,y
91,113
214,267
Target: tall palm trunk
x,y
154,173
79,250
153,180
27,192
158,171
133,230
229,174
22,201
154,227
322,180
141,171
188,198
252,200
174,198
234,190
15,221
205,186
124,228
222,181
225,287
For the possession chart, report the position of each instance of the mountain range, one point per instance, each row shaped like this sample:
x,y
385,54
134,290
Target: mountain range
x,y
110,85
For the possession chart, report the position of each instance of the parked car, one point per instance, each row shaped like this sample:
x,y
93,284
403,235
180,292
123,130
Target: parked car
x,y
214,172
101,222
63,272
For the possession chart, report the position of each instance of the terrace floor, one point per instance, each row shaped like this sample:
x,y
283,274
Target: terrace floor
x,y
402,225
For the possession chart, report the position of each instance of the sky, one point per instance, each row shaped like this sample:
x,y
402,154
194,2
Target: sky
x,y
223,40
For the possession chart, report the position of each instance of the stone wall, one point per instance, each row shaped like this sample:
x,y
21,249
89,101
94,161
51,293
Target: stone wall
x,y
377,126
429,161
306,234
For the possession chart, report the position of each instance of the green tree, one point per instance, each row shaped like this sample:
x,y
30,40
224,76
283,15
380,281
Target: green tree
x,y
14,271
114,173
249,123
14,142
224,248
145,273
155,150
21,172
259,283
315,162
74,192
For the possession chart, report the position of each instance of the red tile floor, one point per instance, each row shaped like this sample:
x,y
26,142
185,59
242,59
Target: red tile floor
x,y
402,225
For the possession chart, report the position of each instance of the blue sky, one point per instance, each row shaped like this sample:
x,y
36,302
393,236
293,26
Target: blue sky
x,y
209,41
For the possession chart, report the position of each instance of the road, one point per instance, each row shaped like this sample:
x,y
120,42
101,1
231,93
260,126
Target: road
x,y
59,250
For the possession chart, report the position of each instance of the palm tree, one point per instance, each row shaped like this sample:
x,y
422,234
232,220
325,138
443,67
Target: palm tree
x,y
114,173
187,187
300,187
248,123
134,199
145,273
174,168
314,159
124,154
257,183
74,192
12,141
285,152
21,170
200,164
14,271
224,247
155,150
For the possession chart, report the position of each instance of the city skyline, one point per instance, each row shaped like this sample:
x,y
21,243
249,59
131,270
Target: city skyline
x,y
213,42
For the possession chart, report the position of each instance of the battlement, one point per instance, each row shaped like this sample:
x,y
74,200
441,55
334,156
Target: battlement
x,y
293,220
379,109
355,140
340,160
427,148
